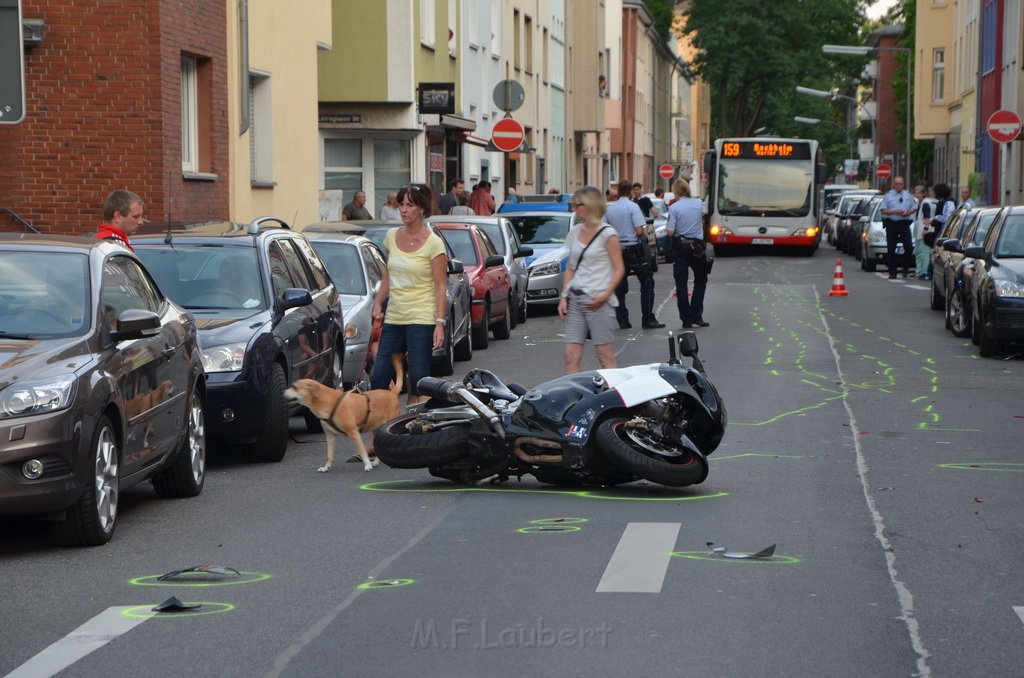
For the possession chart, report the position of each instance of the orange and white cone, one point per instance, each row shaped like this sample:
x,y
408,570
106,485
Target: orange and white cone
x,y
838,286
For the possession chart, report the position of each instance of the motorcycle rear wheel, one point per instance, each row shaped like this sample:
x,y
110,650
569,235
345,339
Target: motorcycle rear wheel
x,y
641,456
397,447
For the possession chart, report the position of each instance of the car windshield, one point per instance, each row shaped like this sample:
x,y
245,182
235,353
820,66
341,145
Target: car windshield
x,y
343,263
493,232
1011,237
547,229
984,220
461,243
206,276
44,295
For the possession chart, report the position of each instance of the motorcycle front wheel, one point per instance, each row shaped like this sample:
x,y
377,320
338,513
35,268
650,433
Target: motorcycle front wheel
x,y
399,447
636,451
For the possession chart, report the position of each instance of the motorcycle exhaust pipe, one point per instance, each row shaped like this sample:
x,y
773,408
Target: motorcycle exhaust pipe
x,y
538,459
455,391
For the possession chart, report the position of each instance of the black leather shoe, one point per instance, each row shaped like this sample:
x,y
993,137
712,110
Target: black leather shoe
x,y
687,326
625,326
701,323
654,325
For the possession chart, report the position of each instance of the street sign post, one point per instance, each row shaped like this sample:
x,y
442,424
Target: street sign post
x,y
666,171
883,171
1003,126
507,135
12,65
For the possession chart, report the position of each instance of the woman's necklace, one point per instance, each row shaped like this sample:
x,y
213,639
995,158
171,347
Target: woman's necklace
x,y
413,239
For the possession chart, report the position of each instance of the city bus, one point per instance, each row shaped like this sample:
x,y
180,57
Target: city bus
x,y
764,192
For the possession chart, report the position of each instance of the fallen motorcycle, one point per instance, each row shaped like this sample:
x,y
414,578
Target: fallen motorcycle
x,y
603,427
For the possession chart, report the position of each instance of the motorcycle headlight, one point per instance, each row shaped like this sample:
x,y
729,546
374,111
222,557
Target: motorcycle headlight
x,y
26,398
551,268
226,358
1009,288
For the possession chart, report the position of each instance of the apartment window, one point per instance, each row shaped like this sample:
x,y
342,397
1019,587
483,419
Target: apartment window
x,y
988,37
517,51
453,17
496,37
938,74
546,59
528,34
377,166
261,129
189,116
472,27
196,154
343,165
427,16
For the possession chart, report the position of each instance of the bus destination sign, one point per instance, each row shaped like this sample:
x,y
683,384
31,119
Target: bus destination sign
x,y
766,149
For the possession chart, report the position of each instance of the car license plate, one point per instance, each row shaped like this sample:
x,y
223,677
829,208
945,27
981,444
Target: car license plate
x,y
761,241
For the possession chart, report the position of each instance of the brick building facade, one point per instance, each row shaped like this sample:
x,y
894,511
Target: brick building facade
x,y
103,93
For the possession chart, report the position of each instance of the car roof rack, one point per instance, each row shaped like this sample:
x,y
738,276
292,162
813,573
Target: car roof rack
x,y
255,224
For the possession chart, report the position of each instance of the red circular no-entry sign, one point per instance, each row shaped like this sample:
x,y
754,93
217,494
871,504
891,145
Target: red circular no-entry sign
x,y
507,135
1003,126
666,171
883,171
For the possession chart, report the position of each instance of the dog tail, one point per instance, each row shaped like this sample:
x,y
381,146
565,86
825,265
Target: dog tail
x,y
398,362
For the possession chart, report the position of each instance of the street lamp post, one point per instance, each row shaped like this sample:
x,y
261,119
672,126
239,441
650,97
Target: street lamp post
x,y
864,51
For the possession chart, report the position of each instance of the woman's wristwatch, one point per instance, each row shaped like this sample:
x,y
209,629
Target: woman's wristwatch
x,y
439,321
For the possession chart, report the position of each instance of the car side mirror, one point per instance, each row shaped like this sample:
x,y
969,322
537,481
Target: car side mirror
x,y
864,219
523,252
455,266
136,323
976,252
494,260
952,245
295,297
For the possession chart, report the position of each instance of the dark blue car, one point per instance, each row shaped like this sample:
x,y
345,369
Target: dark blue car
x,y
998,286
268,314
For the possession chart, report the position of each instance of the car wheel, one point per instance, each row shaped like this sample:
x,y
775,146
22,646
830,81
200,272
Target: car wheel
x,y
338,367
445,365
521,309
90,521
513,303
185,478
481,332
272,441
464,349
987,347
502,329
935,300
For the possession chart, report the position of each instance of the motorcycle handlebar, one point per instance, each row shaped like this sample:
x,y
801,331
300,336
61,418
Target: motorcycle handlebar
x,y
438,388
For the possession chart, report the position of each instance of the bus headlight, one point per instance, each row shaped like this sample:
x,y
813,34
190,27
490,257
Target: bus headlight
x,y
810,232
718,229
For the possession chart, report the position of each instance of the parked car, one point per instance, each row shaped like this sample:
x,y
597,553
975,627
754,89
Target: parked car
x,y
545,233
852,207
872,238
488,278
458,338
356,266
101,385
997,290
829,200
268,314
954,229
959,270
506,241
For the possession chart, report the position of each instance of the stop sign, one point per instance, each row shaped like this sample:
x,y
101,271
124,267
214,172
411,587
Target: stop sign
x,y
666,171
507,135
1003,126
883,171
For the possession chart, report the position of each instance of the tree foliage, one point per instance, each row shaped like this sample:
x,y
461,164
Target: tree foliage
x,y
663,13
753,54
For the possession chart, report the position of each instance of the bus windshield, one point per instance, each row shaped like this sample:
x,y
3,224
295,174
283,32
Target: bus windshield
x,y
770,187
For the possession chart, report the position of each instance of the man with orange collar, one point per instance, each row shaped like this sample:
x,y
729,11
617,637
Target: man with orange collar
x,y
122,216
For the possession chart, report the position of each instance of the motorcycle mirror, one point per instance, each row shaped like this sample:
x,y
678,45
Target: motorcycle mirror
x,y
687,343
672,360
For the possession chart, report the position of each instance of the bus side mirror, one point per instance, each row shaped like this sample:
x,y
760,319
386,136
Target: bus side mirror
x,y
821,173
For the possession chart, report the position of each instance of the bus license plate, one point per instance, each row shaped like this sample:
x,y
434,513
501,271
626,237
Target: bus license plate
x,y
761,241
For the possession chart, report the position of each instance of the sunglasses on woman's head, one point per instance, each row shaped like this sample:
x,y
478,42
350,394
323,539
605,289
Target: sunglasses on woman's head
x,y
411,187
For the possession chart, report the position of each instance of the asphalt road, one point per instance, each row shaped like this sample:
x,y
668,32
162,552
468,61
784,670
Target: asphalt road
x,y
877,451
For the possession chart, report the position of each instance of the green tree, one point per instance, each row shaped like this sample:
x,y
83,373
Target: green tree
x,y
754,53
663,13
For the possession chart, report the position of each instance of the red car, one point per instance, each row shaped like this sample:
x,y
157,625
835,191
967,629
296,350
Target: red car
x,y
488,278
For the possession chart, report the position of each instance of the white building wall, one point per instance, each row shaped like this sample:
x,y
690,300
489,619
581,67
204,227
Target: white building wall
x,y
1013,99
480,54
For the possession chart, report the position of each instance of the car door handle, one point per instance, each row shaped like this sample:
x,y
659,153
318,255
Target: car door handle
x,y
169,351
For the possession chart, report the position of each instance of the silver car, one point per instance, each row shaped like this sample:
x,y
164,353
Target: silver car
x,y
506,241
355,264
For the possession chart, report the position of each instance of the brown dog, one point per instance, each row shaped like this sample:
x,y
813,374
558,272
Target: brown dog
x,y
349,412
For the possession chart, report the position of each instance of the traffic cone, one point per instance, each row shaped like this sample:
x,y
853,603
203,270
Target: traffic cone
x,y
838,286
